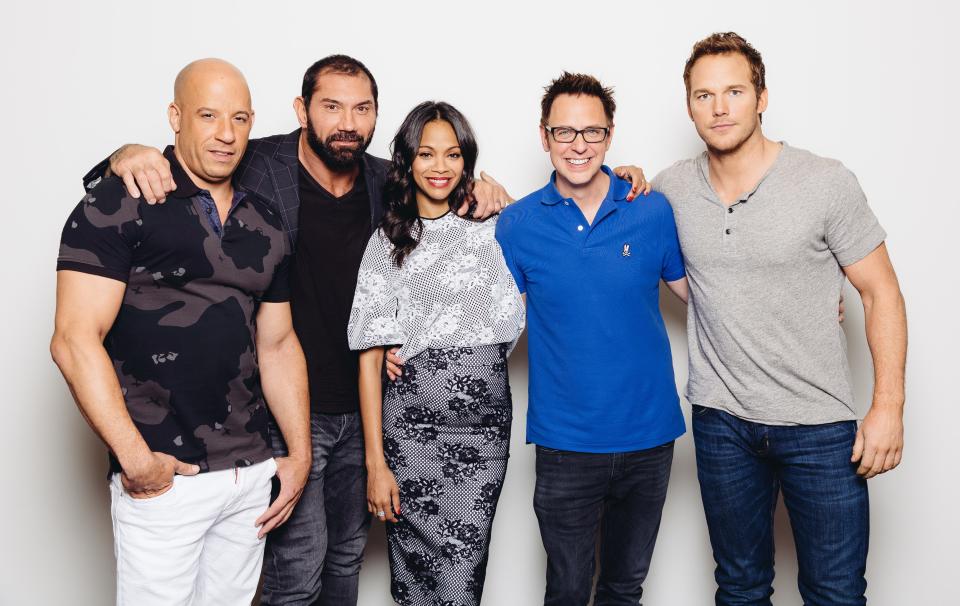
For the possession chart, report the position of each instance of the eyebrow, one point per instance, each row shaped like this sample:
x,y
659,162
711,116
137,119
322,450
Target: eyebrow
x,y
329,100
707,90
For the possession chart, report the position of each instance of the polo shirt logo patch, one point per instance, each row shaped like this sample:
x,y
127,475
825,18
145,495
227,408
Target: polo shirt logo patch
x,y
626,250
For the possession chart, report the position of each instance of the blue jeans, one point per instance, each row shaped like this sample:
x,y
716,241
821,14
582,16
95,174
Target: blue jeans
x,y
622,494
742,466
314,558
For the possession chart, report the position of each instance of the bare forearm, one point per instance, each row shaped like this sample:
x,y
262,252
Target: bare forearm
x,y
371,405
886,325
283,376
93,382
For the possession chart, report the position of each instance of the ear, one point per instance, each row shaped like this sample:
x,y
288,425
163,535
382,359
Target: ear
x,y
762,102
689,111
174,117
544,139
300,106
253,117
609,137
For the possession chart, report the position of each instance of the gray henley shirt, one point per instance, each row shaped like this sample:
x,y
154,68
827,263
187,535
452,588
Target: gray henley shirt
x,y
765,277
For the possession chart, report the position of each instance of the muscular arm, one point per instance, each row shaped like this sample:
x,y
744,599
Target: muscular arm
x,y
879,442
87,305
283,376
382,492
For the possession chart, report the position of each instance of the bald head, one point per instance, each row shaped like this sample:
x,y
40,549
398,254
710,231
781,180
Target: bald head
x,y
211,115
204,73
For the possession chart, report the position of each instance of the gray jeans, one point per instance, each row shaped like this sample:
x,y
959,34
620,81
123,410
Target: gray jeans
x,y
314,558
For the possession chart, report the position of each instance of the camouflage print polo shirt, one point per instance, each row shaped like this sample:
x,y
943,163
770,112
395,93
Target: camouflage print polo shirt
x,y
183,340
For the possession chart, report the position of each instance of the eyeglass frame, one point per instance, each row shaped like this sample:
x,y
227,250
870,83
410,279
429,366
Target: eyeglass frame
x,y
578,133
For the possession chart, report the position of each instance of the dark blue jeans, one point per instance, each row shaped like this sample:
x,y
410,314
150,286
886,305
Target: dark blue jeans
x,y
743,466
622,494
314,558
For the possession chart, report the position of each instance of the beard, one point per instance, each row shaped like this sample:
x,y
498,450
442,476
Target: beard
x,y
338,159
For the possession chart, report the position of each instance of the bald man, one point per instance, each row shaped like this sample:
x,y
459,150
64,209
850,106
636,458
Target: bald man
x,y
174,334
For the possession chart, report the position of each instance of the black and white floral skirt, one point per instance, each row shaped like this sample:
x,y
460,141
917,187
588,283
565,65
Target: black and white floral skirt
x,y
446,436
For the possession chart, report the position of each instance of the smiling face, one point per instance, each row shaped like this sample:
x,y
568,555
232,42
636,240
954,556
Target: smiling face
x,y
723,102
577,163
211,116
437,167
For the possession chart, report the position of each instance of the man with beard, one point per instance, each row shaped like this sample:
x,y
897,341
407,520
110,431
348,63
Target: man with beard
x,y
327,190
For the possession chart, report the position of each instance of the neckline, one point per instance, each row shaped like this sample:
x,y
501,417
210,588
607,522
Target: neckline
x,y
746,195
422,218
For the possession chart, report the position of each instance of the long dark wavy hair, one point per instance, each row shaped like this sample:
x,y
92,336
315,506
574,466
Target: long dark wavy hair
x,y
401,221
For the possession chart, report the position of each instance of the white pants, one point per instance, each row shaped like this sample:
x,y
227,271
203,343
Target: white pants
x,y
195,544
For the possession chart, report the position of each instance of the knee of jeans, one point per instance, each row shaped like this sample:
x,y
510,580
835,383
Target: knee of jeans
x,y
568,589
343,564
751,583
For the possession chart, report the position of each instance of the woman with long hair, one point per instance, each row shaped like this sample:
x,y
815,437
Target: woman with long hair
x,y
437,439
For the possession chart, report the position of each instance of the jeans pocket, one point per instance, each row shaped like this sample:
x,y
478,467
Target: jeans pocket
x,y
699,411
152,501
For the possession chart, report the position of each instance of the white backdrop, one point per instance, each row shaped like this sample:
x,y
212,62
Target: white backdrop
x,y
873,84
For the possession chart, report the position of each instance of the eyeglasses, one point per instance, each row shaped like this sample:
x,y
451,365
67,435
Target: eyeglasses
x,y
565,134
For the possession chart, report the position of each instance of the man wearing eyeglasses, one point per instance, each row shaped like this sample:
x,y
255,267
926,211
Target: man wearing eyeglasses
x,y
603,407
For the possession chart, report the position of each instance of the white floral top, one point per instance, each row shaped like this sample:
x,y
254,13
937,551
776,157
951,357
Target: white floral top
x,y
453,290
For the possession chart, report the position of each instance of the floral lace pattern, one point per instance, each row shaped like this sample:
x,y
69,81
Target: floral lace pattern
x,y
454,290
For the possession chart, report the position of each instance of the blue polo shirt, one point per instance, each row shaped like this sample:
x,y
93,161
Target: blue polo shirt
x,y
601,374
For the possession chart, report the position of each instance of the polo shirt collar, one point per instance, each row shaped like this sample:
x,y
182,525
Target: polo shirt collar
x,y
619,188
186,188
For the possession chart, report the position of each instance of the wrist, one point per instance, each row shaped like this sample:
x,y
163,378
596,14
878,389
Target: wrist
x,y
892,403
135,459
376,464
300,456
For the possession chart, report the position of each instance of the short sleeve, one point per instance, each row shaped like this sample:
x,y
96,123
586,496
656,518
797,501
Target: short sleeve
x,y
101,234
673,268
96,174
852,230
373,316
504,235
279,290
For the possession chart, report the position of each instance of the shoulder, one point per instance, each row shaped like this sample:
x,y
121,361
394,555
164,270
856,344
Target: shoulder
x,y
375,163
676,174
109,196
523,208
655,202
829,172
268,146
652,207
509,219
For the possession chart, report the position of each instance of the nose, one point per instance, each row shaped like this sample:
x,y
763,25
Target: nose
x,y
579,144
439,164
225,132
347,122
720,107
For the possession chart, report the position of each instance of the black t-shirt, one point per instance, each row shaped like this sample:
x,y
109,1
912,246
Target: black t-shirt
x,y
332,236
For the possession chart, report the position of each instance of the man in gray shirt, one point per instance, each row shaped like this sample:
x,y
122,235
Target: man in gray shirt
x,y
769,234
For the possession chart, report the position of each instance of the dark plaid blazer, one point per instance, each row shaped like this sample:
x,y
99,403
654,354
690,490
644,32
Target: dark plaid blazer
x,y
270,169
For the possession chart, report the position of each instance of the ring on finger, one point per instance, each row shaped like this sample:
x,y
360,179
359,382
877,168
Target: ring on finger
x,y
381,514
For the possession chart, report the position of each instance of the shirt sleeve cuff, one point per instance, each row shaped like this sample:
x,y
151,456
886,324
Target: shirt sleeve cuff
x,y
95,270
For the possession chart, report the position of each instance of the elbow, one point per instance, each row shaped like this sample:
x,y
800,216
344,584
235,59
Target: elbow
x,y
61,349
